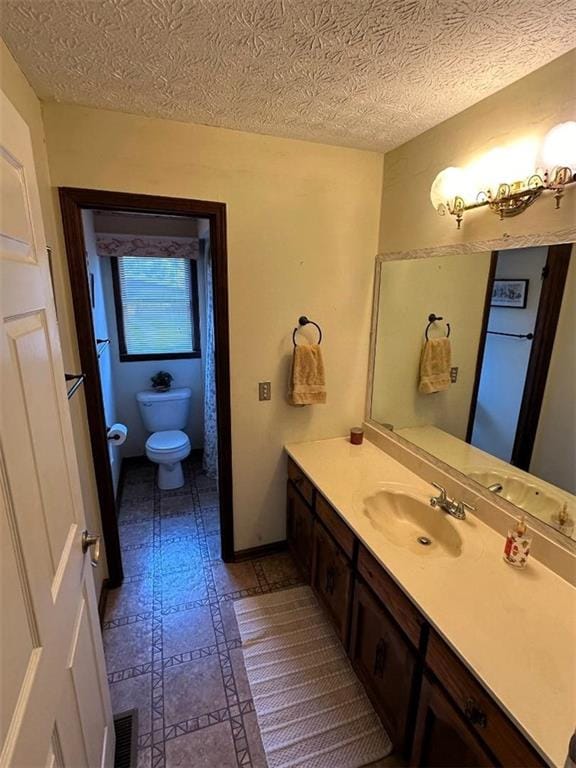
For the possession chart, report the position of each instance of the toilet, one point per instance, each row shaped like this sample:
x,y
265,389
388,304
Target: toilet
x,y
165,414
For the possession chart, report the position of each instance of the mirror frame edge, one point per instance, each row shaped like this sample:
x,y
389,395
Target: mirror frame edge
x,y
504,243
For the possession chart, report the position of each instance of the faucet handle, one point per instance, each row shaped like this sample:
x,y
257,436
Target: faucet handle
x,y
441,499
442,490
460,508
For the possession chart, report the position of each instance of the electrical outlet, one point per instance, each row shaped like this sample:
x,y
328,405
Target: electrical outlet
x,y
454,375
264,390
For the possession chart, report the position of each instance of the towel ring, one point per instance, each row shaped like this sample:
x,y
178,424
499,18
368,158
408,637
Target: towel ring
x,y
304,321
432,318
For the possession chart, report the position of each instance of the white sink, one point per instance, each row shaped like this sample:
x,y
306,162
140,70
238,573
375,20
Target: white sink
x,y
520,491
407,520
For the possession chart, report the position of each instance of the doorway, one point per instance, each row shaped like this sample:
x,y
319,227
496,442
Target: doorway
x,y
523,301
86,215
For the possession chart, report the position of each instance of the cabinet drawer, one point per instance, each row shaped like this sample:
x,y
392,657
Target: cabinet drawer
x,y
407,616
335,525
483,715
301,482
332,580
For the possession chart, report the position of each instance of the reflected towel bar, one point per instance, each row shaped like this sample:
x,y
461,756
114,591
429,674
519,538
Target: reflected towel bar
x,y
77,378
101,345
513,335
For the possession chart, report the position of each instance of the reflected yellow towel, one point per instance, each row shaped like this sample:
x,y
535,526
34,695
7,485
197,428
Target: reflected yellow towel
x,y
435,365
307,378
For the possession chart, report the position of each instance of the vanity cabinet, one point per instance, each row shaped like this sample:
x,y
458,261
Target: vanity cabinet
x,y
443,739
332,579
387,665
299,524
435,711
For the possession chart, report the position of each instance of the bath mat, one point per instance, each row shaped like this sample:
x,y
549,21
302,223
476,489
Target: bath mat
x,y
312,710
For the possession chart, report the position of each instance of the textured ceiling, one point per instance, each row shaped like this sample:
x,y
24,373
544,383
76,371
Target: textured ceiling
x,y
362,73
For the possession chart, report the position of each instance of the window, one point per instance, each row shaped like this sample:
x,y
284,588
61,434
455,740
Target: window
x,y
156,308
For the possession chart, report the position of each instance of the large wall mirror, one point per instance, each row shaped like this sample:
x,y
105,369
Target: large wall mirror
x,y
474,361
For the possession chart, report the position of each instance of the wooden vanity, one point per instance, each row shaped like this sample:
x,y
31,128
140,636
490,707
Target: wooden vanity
x,y
432,706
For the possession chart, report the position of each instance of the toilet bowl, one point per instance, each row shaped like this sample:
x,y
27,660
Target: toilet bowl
x,y
168,449
165,414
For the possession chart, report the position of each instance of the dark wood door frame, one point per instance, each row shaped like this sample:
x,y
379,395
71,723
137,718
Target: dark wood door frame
x,y
556,271
549,305
72,203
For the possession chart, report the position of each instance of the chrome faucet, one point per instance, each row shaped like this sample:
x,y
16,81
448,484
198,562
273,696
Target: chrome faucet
x,y
455,508
496,487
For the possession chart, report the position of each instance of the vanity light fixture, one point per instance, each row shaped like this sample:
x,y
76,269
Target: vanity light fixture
x,y
533,169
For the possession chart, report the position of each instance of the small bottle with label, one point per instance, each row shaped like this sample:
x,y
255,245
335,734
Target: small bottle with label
x,y
518,545
562,521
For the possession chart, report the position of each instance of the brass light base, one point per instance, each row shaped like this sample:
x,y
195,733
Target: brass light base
x,y
511,200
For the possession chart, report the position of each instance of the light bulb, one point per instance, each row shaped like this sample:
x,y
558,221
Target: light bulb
x,y
559,147
489,171
520,163
447,185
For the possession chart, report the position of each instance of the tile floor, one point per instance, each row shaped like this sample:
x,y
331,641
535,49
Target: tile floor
x,y
170,634
171,639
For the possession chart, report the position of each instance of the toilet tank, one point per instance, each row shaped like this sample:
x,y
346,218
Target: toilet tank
x,y
161,411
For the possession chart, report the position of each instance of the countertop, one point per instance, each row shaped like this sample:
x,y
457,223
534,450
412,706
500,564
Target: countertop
x,y
515,629
467,458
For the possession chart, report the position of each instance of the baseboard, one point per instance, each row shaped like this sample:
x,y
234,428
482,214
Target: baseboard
x,y
262,551
102,601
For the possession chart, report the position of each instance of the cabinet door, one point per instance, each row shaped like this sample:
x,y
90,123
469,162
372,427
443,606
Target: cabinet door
x,y
443,739
332,580
477,708
386,663
299,530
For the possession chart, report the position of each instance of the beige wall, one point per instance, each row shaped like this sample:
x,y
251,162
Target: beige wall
x,y
527,108
18,90
453,287
302,235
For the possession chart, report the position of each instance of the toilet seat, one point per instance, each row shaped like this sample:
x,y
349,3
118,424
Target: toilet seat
x,y
168,440
167,447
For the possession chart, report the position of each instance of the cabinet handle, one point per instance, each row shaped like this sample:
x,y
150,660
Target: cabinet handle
x,y
380,658
474,714
330,579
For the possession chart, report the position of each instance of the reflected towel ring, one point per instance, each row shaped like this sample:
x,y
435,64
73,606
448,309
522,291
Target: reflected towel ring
x,y
304,321
432,318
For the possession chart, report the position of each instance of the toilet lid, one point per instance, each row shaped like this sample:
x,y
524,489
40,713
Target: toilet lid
x,y
169,440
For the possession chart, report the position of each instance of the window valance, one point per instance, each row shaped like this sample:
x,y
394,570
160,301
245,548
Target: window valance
x,y
147,245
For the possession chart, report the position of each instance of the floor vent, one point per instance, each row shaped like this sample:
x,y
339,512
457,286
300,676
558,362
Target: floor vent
x,y
126,727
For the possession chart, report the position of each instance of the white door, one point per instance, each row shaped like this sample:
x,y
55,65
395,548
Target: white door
x,y
54,702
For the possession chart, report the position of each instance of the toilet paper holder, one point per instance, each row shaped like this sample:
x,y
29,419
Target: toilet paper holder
x,y
111,436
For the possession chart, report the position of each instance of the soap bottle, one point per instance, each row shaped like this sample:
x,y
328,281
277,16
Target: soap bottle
x,y
562,521
518,544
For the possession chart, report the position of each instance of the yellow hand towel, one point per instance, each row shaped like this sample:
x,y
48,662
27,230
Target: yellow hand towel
x,y
307,379
435,366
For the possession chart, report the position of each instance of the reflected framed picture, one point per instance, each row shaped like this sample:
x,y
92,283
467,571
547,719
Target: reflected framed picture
x,y
510,293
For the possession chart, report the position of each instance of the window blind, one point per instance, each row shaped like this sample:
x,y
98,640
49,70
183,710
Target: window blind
x,y
156,296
